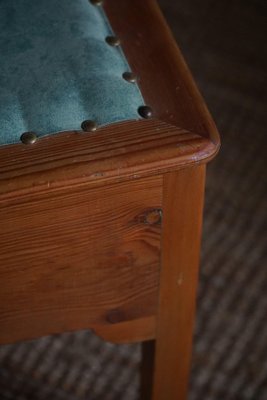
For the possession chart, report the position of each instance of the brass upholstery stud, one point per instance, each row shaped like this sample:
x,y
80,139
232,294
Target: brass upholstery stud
x,y
113,41
28,137
89,126
96,2
129,77
145,112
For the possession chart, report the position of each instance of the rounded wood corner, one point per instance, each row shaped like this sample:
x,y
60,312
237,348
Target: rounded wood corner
x,y
163,75
134,331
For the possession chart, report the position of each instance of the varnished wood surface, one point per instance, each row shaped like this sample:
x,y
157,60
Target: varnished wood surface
x,y
77,246
180,133
112,154
80,259
183,193
165,80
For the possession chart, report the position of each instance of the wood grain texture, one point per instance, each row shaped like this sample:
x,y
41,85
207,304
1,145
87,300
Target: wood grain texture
x,y
78,248
163,76
180,133
125,151
80,259
182,208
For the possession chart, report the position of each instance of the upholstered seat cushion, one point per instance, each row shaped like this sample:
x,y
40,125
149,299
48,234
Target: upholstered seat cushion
x,y
57,69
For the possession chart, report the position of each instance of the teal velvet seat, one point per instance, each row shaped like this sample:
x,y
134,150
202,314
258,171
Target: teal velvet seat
x,y
57,70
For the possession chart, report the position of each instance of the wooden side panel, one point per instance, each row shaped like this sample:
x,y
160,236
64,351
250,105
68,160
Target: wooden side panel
x,y
80,259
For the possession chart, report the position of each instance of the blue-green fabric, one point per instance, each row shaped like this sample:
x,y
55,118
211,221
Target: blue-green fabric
x,y
57,70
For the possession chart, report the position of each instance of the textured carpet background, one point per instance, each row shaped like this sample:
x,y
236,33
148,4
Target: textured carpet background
x,y
224,43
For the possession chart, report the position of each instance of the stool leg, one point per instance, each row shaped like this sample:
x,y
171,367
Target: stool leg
x,y
147,369
182,219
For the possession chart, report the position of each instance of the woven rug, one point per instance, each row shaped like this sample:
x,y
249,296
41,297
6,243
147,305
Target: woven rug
x,y
224,44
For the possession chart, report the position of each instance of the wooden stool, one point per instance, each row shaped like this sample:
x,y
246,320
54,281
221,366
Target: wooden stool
x,y
101,229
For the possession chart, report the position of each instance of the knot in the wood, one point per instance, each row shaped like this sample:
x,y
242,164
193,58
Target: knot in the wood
x,y
151,216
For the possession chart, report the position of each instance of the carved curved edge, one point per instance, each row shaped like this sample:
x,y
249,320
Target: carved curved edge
x,y
114,153
138,330
181,132
134,331
163,76
182,135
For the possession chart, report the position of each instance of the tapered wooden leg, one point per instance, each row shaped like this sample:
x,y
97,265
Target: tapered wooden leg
x,y
182,218
147,369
